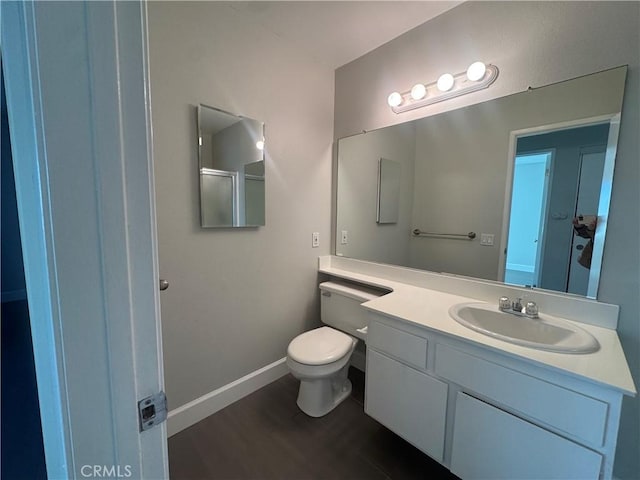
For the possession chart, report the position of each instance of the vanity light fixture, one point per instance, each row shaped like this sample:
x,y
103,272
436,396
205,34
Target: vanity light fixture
x,y
477,77
419,91
445,82
395,99
476,71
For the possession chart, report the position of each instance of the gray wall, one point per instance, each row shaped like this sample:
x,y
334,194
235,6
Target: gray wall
x,y
237,297
534,44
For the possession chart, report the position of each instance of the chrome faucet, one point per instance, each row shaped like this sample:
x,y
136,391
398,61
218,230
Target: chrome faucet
x,y
530,309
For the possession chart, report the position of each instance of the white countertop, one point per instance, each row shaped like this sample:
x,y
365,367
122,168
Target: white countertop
x,y
429,308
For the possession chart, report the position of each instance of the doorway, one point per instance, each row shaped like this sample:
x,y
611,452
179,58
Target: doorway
x,y
558,175
22,448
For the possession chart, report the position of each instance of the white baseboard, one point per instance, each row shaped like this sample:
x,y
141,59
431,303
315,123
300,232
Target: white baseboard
x,y
359,360
190,413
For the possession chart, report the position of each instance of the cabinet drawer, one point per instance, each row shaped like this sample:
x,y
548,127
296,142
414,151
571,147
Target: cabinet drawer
x,y
490,443
408,402
402,345
564,409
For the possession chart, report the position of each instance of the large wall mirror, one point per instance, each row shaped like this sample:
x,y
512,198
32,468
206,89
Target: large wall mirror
x,y
515,189
231,169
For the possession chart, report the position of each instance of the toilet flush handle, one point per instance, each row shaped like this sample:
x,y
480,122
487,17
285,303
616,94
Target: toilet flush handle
x,y
363,330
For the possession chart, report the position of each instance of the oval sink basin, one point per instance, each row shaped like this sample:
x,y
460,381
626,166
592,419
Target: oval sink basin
x,y
544,333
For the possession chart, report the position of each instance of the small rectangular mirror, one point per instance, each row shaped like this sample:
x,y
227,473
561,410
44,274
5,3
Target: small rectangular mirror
x,y
388,191
231,169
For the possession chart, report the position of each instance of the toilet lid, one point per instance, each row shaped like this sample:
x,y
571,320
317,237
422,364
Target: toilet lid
x,y
320,346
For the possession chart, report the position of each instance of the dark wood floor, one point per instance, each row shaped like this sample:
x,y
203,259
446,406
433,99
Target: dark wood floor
x,y
266,436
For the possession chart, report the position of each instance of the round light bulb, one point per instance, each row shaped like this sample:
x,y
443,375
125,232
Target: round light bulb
x,y
418,92
394,100
445,82
476,71
260,144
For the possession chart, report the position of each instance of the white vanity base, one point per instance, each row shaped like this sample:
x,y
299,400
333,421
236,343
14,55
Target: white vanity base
x,y
486,415
483,407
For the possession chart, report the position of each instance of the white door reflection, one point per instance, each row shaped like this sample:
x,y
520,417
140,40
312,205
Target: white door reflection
x,y
591,168
528,218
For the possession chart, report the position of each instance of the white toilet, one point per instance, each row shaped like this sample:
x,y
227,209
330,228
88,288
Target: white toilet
x,y
320,358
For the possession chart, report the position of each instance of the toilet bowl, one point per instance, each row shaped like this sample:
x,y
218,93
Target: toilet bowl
x,y
320,358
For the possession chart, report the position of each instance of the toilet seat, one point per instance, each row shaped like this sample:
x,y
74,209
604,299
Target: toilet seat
x,y
320,346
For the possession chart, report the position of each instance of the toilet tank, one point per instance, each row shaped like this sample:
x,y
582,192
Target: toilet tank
x,y
340,306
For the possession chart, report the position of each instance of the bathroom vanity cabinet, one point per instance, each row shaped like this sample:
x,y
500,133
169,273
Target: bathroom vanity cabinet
x,y
418,413
485,413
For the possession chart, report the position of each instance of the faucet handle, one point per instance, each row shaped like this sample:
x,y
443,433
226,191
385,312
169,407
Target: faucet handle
x,y
531,310
504,303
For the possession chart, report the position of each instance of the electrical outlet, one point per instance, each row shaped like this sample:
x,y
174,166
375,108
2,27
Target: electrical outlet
x,y
344,239
486,239
315,239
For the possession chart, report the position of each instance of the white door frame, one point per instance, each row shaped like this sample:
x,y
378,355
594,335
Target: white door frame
x,y
79,111
605,196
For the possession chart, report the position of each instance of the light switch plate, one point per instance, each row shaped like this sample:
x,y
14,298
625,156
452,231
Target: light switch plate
x,y
315,239
344,238
486,239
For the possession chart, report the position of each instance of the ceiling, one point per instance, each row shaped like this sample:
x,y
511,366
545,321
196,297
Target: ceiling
x,y
337,32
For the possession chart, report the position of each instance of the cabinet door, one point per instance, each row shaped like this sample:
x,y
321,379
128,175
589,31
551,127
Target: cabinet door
x,y
408,402
490,443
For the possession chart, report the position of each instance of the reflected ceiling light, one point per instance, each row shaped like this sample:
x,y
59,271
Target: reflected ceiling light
x,y
476,71
394,100
260,144
477,77
419,91
445,82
